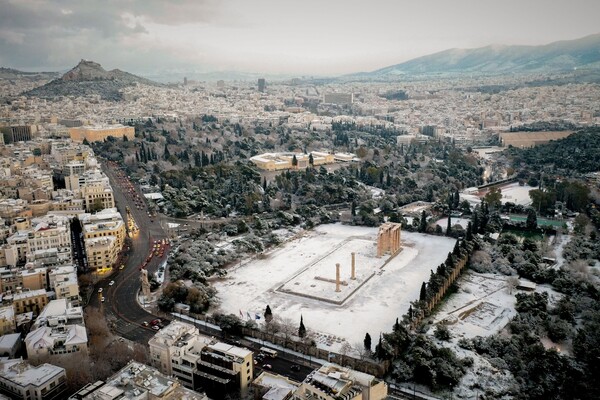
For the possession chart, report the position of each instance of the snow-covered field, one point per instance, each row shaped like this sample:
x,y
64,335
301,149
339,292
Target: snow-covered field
x,y
482,306
372,308
511,192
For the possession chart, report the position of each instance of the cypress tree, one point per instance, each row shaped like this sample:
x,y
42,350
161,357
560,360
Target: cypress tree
x,y
449,226
423,293
301,328
367,342
268,314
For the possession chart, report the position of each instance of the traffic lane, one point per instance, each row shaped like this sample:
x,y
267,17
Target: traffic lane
x,y
283,367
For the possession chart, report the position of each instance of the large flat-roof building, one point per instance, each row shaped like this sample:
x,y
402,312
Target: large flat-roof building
x,y
332,382
200,362
99,133
20,380
137,381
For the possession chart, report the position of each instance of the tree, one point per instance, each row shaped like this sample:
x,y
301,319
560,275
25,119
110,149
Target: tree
x,y
469,235
423,222
301,328
449,226
494,198
294,161
367,342
166,153
531,219
423,293
37,152
311,160
268,314
442,332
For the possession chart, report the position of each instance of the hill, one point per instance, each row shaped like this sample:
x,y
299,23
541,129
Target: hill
x,y
89,78
554,57
9,73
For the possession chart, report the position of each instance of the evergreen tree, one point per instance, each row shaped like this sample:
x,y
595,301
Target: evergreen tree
x,y
456,250
367,342
531,219
294,161
396,327
423,293
410,312
311,160
265,183
137,157
301,328
469,235
268,314
423,223
449,226
166,153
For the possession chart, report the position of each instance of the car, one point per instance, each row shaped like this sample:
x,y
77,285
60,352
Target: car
x,y
122,266
156,327
111,283
145,323
99,290
267,366
155,321
102,299
295,367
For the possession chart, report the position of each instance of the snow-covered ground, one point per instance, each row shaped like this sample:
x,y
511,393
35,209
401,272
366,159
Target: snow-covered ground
x,y
482,306
372,308
453,221
511,192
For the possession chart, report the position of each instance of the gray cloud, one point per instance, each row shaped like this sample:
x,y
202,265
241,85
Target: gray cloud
x,y
36,34
312,36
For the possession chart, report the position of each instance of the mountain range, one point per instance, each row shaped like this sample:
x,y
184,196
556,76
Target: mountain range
x,y
565,55
583,55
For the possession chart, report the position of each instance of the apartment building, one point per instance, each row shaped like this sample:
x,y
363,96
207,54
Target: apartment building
x,y
332,382
97,197
59,329
137,381
26,301
63,281
20,380
200,362
8,323
101,252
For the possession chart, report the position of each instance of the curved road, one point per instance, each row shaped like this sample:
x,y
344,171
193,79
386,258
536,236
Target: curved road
x,y
121,303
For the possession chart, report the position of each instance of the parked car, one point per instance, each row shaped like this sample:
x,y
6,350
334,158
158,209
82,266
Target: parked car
x,y
99,290
295,367
267,366
145,323
111,283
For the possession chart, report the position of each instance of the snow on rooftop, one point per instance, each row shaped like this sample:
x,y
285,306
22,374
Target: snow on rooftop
x,y
373,308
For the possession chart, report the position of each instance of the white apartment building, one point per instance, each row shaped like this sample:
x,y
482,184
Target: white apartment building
x,y
20,380
63,281
331,382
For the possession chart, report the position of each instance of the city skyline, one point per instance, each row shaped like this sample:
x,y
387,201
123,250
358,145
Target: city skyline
x,y
271,37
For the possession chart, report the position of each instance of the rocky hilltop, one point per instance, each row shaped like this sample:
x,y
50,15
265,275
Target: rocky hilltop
x,y
88,78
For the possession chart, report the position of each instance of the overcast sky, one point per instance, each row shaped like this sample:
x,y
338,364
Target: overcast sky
x,y
273,36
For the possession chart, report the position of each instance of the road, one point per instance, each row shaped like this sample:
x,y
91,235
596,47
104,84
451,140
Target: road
x,y
120,304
